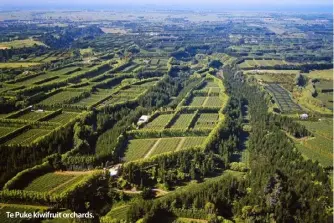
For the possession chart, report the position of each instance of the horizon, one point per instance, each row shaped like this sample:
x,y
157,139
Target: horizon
x,y
309,6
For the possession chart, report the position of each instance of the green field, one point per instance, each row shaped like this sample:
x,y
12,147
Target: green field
x,y
54,182
60,98
321,74
191,142
64,117
320,147
20,44
213,101
206,120
28,136
183,121
34,115
18,65
261,63
159,122
5,130
197,101
117,213
138,148
166,145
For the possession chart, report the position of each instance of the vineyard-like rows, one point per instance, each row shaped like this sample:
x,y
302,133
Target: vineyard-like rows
x,y
213,101
183,121
166,145
6,130
159,122
283,98
206,120
60,97
33,115
63,118
28,136
54,182
139,148
197,101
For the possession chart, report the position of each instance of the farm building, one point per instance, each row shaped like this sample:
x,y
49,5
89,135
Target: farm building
x,y
113,171
303,116
143,119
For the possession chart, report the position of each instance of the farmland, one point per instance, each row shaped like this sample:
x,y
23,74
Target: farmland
x,y
251,64
206,120
223,93
283,98
28,136
20,43
138,148
182,121
159,122
320,146
60,98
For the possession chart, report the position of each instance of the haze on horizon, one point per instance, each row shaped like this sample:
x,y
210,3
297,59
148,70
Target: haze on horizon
x,y
299,5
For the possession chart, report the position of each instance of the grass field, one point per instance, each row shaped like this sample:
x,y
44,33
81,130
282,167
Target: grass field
x,y
166,145
64,117
261,63
321,146
5,130
18,65
27,137
213,101
190,142
321,74
20,44
159,122
183,121
206,120
60,97
56,182
117,213
138,148
34,115
197,101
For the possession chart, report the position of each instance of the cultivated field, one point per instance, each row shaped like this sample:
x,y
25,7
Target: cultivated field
x,y
27,137
56,182
60,98
18,208
182,121
319,147
321,74
20,44
283,98
165,145
159,122
261,63
206,120
138,148
34,115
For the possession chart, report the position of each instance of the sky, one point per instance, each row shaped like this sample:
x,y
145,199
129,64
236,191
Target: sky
x,y
174,4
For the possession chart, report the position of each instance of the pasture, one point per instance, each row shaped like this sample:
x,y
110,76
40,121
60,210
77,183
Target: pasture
x,y
20,44
320,147
321,74
249,64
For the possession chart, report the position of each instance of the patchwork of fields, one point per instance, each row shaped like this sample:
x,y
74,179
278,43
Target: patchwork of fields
x,y
148,147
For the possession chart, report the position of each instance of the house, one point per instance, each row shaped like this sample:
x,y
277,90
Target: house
x,y
303,116
113,171
143,119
